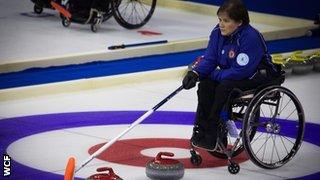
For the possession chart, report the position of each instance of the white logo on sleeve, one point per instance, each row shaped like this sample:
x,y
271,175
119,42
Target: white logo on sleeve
x,y
242,59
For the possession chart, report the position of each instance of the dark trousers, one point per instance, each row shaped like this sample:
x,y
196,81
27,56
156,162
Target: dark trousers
x,y
212,96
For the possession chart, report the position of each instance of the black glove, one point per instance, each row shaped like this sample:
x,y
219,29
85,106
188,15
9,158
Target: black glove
x,y
190,80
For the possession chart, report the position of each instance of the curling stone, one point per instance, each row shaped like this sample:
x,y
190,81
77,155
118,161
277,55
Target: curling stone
x,y
279,59
315,58
164,168
300,63
105,173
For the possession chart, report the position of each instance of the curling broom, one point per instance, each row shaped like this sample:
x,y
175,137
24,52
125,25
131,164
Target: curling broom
x,y
71,168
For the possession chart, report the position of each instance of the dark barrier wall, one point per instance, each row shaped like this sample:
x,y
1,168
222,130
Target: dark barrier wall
x,y
307,9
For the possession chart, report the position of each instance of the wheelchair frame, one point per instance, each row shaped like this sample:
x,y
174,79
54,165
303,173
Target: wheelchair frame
x,y
261,113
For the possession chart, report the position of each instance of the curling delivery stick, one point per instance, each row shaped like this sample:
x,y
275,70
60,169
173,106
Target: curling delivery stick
x,y
71,170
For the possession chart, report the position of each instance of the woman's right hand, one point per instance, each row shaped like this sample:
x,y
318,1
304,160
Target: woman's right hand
x,y
190,80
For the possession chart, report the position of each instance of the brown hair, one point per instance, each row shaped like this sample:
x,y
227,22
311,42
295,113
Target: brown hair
x,y
236,10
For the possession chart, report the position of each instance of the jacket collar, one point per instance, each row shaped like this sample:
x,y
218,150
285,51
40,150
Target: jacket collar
x,y
236,33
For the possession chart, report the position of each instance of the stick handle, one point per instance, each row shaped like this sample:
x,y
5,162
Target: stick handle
x,y
167,98
122,46
138,121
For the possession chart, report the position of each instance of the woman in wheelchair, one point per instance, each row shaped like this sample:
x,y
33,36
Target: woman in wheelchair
x,y
236,57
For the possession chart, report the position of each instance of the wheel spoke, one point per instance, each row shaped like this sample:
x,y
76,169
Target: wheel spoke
x,y
263,143
285,105
263,115
271,110
291,113
275,147
285,147
288,139
255,139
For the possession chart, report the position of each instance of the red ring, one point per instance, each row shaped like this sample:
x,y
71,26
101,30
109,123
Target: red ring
x,y
128,152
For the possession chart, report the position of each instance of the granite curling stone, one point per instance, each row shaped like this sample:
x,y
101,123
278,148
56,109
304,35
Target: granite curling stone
x,y
300,63
315,58
280,60
105,173
164,168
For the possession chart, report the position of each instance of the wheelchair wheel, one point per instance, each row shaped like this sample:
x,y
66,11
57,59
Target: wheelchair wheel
x,y
65,22
280,129
237,149
195,158
94,27
37,9
133,14
108,14
233,168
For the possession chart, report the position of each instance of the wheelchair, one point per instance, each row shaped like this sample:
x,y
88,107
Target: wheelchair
x,y
130,14
270,121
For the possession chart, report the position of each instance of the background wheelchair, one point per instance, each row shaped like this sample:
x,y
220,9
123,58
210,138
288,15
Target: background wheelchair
x,y
130,14
270,121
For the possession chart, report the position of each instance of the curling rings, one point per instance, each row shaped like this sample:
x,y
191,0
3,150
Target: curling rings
x,y
105,173
279,59
315,58
164,168
300,63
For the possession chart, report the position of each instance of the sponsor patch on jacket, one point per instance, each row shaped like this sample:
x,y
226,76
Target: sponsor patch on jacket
x,y
242,59
231,54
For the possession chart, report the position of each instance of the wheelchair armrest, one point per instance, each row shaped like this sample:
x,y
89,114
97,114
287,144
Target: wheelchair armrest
x,y
239,96
277,80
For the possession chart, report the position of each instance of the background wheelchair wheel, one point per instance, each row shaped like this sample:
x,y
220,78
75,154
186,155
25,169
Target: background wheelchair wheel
x,y
65,22
108,13
279,131
240,147
37,9
94,27
133,14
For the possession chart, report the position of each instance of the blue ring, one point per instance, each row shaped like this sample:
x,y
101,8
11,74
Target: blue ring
x,y
19,127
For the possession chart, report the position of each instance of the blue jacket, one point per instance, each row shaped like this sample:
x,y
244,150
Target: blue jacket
x,y
237,56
